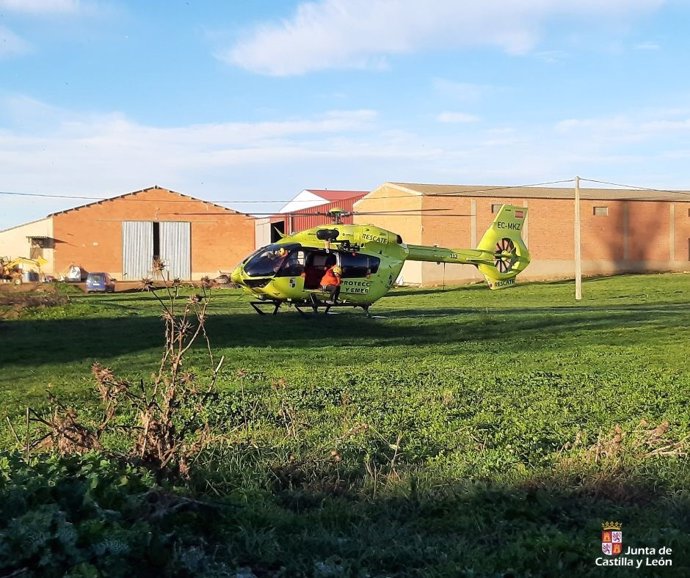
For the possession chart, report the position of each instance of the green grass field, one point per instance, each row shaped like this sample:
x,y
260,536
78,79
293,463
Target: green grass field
x,y
460,432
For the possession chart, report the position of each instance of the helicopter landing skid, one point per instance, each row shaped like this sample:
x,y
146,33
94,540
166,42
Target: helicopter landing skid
x,y
315,303
257,306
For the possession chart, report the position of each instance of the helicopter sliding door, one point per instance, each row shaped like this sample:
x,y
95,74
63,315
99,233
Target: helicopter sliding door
x,y
354,266
315,266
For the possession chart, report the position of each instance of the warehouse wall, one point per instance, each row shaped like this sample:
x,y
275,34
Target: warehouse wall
x,y
15,242
616,235
91,236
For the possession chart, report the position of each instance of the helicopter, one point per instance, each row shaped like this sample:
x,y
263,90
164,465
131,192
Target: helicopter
x,y
289,271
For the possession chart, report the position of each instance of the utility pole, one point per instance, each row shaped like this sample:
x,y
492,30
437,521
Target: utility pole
x,y
578,255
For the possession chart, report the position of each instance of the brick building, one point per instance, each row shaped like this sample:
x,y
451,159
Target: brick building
x,y
123,235
621,230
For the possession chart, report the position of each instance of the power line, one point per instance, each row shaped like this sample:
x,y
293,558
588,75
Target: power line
x,y
261,201
51,196
636,188
129,196
126,197
498,188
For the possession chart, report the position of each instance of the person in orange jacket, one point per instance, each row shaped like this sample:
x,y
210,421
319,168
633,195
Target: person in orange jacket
x,y
330,282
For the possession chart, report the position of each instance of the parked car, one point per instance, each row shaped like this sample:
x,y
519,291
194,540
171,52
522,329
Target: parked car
x,y
99,282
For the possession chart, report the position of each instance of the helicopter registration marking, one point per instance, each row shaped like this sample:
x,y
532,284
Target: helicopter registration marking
x,y
513,226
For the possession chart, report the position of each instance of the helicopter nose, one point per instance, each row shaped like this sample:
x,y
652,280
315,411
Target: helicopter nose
x,y
236,276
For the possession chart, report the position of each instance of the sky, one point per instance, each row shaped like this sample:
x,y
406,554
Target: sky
x,y
247,103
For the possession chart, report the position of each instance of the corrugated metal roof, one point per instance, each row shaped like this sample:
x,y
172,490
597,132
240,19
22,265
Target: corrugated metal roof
x,y
586,193
154,188
312,216
308,218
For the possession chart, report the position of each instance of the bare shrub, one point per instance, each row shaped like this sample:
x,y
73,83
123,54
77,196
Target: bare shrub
x,y
162,420
612,466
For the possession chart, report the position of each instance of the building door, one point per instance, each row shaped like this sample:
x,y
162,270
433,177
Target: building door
x,y
144,241
137,250
175,249
277,231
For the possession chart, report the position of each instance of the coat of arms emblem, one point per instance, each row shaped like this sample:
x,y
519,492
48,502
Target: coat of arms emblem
x,y
611,538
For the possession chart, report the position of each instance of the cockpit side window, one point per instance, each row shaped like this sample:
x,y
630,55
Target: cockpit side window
x,y
293,265
268,260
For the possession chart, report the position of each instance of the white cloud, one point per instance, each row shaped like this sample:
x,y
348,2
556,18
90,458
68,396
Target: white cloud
x,y
45,149
457,117
48,150
41,6
27,112
461,91
11,44
647,46
631,127
551,56
501,137
604,124
48,121
363,33
666,126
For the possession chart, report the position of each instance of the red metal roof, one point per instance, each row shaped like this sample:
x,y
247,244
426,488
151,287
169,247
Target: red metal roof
x,y
314,216
334,196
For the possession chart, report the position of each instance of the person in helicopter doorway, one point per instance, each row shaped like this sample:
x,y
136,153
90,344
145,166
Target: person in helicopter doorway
x,y
330,282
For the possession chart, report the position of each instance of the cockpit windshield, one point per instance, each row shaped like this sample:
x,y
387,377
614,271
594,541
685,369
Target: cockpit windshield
x,y
268,260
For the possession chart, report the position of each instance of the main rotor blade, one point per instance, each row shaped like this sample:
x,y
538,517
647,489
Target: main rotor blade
x,y
409,212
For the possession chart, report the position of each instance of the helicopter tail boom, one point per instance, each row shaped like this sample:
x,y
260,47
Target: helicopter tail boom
x,y
500,255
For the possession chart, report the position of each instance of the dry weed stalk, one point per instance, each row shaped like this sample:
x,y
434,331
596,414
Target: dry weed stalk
x,y
611,466
65,433
162,417
643,442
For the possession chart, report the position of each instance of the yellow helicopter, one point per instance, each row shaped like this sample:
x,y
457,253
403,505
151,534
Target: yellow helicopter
x,y
290,271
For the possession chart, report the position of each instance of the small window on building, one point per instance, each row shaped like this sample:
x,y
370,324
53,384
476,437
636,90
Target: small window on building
x,y
36,250
688,212
495,207
37,244
600,211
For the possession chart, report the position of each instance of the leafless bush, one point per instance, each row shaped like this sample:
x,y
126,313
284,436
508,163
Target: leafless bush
x,y
613,465
161,419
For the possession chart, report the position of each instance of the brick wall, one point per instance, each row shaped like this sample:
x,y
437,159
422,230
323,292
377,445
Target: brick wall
x,y
91,236
616,235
